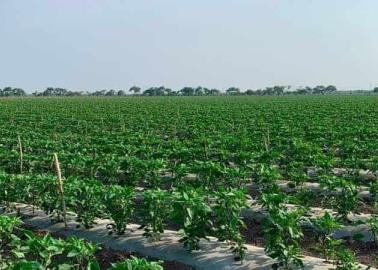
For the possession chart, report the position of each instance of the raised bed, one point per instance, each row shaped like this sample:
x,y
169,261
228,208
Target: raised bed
x,y
213,254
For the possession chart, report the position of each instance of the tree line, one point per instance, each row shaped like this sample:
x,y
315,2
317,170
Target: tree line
x,y
185,91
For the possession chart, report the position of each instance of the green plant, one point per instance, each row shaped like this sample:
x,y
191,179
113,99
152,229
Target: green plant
x,y
193,214
85,201
44,248
282,232
347,199
266,177
26,265
373,190
324,227
119,204
343,194
155,211
296,173
7,226
272,201
229,204
346,260
8,191
82,252
136,264
304,197
373,227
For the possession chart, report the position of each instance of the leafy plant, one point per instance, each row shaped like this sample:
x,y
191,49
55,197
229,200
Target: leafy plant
x,y
324,227
266,177
373,190
296,173
343,194
86,201
373,227
44,248
7,226
347,199
155,212
194,216
26,265
346,260
229,204
119,203
136,264
82,252
282,232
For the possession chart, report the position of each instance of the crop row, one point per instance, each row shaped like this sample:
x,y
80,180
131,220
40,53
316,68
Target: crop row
x,y
196,212
22,249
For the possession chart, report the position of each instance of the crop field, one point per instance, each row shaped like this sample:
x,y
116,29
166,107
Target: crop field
x,y
294,175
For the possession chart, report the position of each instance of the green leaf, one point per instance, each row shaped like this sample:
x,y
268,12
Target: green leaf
x,y
73,253
27,265
65,266
93,265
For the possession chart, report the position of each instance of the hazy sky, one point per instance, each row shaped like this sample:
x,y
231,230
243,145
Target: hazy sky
x,y
96,44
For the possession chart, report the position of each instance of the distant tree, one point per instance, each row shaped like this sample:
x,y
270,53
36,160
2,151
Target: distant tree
x,y
155,91
198,91
135,89
301,91
168,91
320,89
375,90
110,93
259,92
160,91
60,91
74,93
330,89
51,91
99,93
206,91
7,92
214,92
233,91
18,92
187,91
308,90
250,92
278,90
149,92
121,93
12,92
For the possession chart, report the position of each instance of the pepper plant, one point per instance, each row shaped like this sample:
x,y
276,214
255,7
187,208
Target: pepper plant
x,y
156,209
85,201
44,248
324,228
282,231
228,206
373,227
346,260
82,252
136,264
119,204
7,226
193,213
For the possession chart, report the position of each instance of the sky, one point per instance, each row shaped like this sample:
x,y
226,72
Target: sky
x,y
251,44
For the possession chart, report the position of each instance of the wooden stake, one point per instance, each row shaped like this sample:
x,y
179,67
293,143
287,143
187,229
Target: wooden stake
x,y
60,189
21,154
